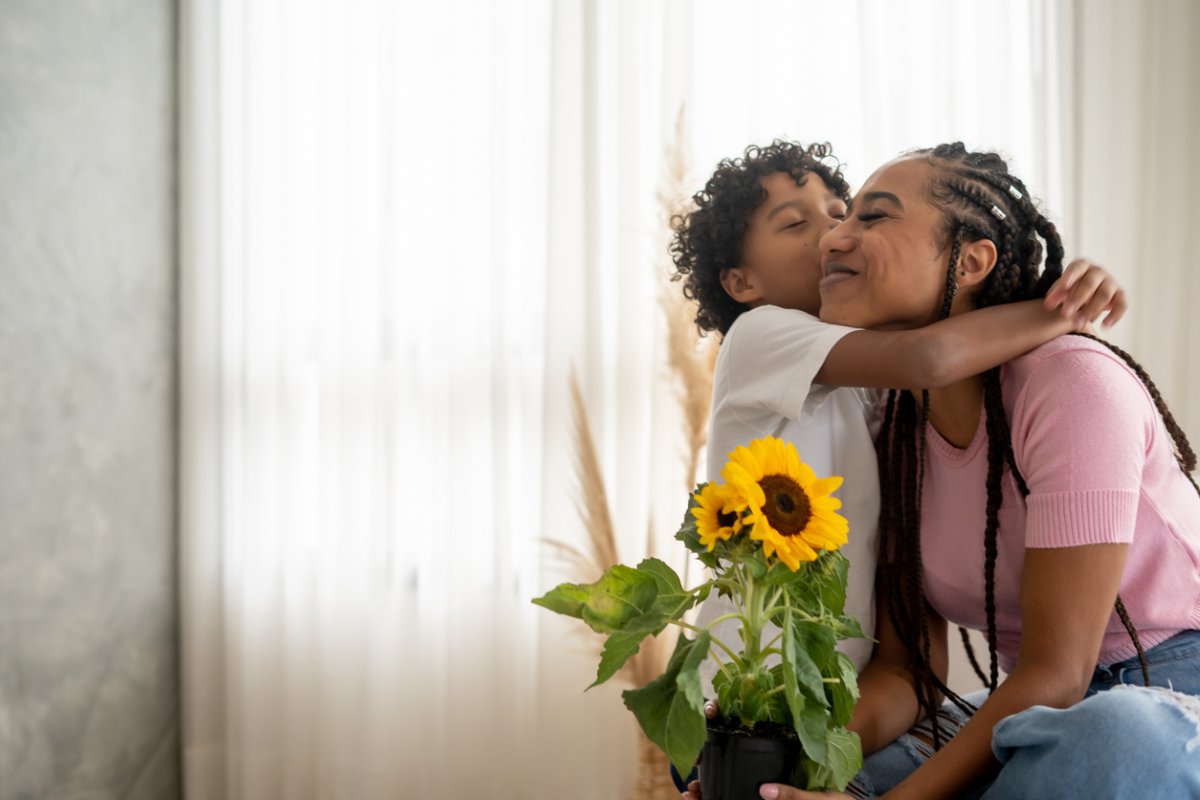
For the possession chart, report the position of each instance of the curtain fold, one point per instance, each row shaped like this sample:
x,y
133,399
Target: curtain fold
x,y
1135,101
404,225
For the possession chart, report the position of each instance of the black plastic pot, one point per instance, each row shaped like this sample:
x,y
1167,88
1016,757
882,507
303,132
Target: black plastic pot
x,y
734,764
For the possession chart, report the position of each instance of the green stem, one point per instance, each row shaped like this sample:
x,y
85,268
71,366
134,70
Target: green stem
x,y
773,610
688,626
754,602
723,617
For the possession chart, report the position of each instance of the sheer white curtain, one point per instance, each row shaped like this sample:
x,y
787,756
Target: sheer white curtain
x,y
1135,168
402,225
390,266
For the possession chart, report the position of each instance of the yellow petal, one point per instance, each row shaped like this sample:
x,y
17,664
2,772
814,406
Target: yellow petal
x,y
825,486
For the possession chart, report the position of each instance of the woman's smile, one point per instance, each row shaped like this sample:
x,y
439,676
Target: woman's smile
x,y
836,272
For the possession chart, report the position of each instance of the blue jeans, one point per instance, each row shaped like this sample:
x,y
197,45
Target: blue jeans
x,y
1131,743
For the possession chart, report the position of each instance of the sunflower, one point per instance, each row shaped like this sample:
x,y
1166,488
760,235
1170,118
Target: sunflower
x,y
792,510
717,515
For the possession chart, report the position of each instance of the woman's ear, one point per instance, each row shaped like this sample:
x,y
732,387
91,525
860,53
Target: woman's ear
x,y
739,285
976,260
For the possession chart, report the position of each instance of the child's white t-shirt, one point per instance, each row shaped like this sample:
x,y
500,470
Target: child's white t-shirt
x,y
764,386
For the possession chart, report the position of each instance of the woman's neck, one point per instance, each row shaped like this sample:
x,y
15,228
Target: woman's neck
x,y
955,410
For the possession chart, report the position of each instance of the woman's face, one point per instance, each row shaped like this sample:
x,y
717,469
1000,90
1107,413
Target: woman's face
x,y
883,267
781,252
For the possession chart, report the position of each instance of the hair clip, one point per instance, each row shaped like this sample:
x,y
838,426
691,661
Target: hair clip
x,y
997,213
1014,192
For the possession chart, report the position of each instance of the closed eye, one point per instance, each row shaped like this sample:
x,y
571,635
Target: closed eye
x,y
870,217
796,224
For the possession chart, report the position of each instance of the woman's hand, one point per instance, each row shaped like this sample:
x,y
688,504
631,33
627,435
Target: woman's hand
x,y
777,791
1084,292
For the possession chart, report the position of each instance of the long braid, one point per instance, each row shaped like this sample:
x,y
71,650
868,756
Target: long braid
x,y
997,430
966,643
951,288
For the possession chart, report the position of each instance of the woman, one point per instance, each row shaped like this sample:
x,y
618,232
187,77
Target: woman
x,y
1047,503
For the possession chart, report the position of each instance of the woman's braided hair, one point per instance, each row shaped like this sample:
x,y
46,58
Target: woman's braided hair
x,y
979,199
708,240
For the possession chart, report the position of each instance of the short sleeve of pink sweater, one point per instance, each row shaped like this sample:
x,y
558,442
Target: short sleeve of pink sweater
x,y
1083,428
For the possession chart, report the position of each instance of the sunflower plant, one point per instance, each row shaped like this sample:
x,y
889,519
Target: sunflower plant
x,y
770,534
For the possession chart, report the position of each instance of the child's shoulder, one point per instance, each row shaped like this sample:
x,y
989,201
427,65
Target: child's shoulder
x,y
772,319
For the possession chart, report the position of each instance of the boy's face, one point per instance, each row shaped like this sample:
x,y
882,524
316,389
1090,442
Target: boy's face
x,y
781,254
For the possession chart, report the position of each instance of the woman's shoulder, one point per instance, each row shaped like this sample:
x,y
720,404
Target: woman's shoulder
x,y
1073,369
1069,354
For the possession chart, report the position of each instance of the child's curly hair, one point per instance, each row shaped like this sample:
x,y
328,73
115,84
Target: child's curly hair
x,y
708,240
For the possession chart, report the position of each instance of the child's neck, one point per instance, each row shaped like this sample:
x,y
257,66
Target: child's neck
x,y
955,410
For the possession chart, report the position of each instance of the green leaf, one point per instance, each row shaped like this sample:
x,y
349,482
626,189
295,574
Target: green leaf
x,y
688,679
622,645
843,762
690,536
672,600
670,603
807,674
846,627
670,708
791,680
811,726
566,598
664,577
756,702
780,574
844,694
618,649
622,594
723,688
804,686
812,651
755,566
821,585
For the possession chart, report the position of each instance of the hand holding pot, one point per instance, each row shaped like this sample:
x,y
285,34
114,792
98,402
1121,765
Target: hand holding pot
x,y
774,791
777,791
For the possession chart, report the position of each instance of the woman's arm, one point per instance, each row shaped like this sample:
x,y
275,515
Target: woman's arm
x,y
887,706
1067,597
968,344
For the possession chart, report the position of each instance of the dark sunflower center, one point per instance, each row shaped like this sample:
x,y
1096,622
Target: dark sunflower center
x,y
786,506
726,520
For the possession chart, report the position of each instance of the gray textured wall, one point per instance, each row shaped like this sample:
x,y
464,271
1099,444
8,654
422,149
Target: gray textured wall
x,y
88,626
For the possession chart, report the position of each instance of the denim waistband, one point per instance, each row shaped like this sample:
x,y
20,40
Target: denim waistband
x,y
1183,646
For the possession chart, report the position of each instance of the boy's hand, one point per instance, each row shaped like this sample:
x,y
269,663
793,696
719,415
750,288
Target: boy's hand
x,y
1084,292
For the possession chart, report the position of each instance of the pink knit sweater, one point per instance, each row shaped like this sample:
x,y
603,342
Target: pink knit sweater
x,y
1099,466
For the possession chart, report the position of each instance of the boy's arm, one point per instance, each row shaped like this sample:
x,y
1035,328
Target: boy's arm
x,y
944,352
968,344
